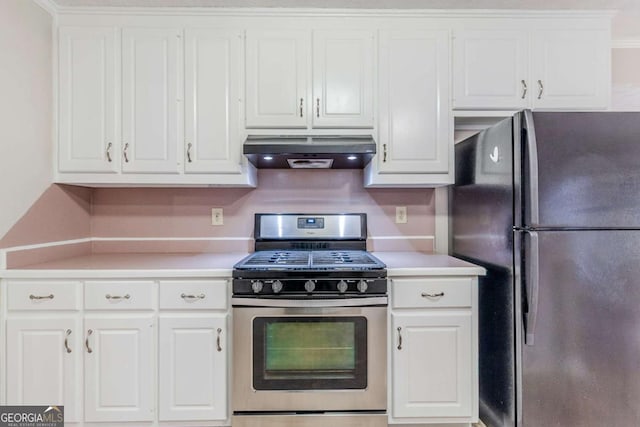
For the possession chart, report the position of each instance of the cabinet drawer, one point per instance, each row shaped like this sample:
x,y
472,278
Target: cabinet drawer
x,y
193,294
43,295
129,295
424,293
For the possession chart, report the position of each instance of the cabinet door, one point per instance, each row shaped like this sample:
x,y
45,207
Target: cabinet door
x,y
414,102
214,69
571,69
432,364
88,73
343,71
490,69
151,94
45,363
119,367
277,79
193,368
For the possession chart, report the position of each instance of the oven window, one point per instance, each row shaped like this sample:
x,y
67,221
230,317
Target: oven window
x,y
309,353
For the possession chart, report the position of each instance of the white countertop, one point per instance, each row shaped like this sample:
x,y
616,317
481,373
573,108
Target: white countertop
x,y
426,264
166,265
133,265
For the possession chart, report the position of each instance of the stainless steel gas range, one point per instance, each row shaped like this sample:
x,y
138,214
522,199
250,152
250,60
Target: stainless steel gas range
x,y
309,312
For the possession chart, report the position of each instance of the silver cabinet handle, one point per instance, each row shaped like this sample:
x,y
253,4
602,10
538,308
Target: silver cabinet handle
x,y
108,152
39,297
317,107
108,296
124,152
540,89
399,338
186,296
189,145
66,340
218,340
427,295
301,104
384,152
524,88
86,341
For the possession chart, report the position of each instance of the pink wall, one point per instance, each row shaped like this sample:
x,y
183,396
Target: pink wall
x,y
63,212
25,108
67,212
186,212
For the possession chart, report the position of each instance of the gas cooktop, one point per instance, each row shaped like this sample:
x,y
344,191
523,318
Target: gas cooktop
x,y
284,260
314,255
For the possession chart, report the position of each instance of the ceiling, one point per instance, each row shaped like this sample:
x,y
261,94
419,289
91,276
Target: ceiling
x,y
625,25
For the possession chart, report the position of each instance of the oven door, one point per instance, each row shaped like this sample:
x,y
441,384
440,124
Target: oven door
x,y
309,356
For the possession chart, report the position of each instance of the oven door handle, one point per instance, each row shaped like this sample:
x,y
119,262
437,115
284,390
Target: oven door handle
x,y
309,303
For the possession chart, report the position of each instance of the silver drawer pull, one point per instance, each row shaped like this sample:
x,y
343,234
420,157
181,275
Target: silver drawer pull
x,y
86,342
185,296
218,340
427,295
37,297
127,296
399,338
66,340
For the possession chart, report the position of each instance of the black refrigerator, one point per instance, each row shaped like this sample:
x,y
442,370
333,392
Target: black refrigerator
x,y
549,204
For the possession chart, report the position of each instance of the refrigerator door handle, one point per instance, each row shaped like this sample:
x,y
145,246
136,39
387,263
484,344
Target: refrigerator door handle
x,y
532,178
532,255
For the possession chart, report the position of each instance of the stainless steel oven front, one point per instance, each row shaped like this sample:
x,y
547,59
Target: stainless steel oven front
x,y
309,355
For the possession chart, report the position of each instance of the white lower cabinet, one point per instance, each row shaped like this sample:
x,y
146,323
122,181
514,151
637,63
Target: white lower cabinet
x,y
193,368
106,360
44,359
119,367
433,363
193,346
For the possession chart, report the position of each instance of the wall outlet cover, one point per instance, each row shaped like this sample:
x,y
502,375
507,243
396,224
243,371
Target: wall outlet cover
x,y
217,216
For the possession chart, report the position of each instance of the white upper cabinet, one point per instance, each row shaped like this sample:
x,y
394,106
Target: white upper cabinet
x,y
277,79
213,62
87,94
490,69
414,102
343,72
571,68
151,94
414,147
554,68
287,89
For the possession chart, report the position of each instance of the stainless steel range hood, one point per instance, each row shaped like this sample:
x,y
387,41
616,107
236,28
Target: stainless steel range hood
x,y
309,152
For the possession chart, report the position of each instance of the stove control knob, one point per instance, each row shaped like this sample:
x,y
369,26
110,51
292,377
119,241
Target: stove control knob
x,y
342,286
309,286
276,286
256,286
363,286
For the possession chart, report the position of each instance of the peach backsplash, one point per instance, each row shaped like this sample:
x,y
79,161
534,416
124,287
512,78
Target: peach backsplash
x,y
186,212
113,218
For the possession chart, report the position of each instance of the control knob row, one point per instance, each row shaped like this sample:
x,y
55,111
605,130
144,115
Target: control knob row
x,y
257,286
309,286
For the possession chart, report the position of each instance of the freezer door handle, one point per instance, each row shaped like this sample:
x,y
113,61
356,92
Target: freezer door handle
x,y
532,178
532,277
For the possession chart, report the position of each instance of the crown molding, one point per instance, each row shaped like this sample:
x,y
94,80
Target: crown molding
x,y
322,12
625,44
49,5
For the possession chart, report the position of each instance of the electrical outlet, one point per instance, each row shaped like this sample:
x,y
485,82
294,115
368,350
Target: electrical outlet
x,y
401,214
217,217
